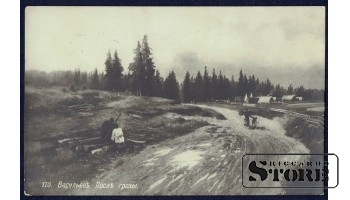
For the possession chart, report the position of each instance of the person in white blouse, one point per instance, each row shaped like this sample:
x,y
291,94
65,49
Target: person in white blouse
x,y
117,135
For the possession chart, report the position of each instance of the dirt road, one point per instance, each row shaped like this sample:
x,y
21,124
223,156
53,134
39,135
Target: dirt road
x,y
206,161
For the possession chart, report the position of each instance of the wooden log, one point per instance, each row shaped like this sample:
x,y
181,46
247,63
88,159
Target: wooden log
x,y
81,105
90,147
102,150
97,151
68,140
82,131
136,141
90,140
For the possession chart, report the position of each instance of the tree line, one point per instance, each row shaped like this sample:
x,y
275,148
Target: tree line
x,y
144,79
212,87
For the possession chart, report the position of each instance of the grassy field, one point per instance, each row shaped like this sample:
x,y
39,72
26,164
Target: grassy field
x,y
52,114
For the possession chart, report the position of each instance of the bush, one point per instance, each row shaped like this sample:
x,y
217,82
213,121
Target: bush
x,y
310,134
72,88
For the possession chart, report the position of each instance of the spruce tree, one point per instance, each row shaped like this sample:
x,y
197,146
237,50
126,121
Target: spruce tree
x,y
290,89
148,65
83,78
245,85
300,91
226,88
77,78
206,85
114,71
233,87
240,84
214,85
220,88
137,72
143,69
186,88
192,89
250,85
253,84
171,87
158,85
117,73
198,87
268,87
95,80
109,72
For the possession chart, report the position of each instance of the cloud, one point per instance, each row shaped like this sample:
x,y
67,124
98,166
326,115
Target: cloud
x,y
182,38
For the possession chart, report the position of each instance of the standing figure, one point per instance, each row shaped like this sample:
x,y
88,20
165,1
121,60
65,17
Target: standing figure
x,y
254,121
246,114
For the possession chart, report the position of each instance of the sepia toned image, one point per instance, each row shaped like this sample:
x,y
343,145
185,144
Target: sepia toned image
x,y
169,100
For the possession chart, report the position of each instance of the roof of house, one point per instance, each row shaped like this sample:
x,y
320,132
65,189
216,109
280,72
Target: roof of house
x,y
265,99
288,97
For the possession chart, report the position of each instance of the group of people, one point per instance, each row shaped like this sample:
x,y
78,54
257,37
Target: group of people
x,y
111,132
247,115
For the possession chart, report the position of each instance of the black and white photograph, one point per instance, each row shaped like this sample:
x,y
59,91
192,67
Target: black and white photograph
x,y
144,101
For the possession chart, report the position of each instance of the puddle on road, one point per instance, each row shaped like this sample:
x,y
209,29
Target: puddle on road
x,y
187,159
177,178
204,145
155,184
212,176
201,179
213,186
164,152
272,125
160,153
149,162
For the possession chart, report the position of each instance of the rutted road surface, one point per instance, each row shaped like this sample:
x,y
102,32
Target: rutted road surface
x,y
206,161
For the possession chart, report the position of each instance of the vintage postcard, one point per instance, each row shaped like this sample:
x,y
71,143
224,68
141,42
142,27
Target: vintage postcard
x,y
174,100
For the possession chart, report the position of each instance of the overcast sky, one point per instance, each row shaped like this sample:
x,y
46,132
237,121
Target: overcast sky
x,y
286,44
